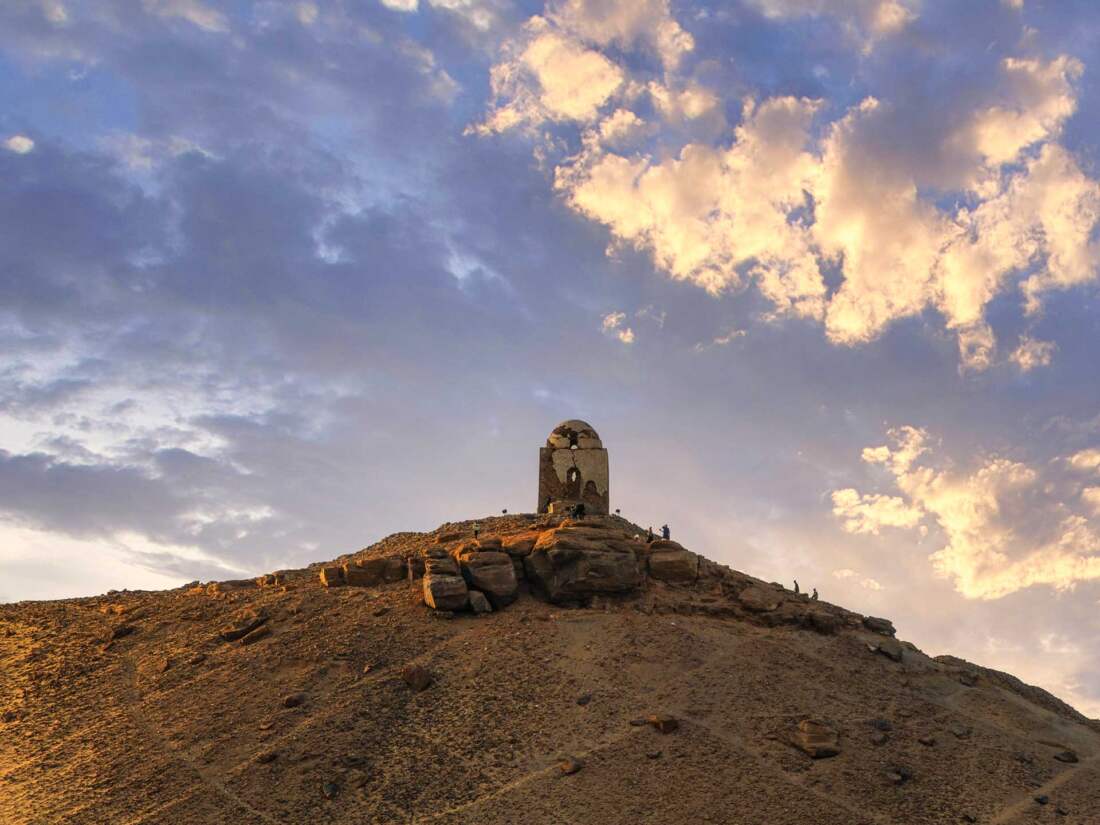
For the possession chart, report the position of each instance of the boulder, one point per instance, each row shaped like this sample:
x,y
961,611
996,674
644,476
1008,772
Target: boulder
x,y
373,572
243,626
518,545
492,573
332,576
759,599
565,568
437,566
479,604
680,566
445,591
254,636
416,677
884,627
818,739
822,622
663,723
890,648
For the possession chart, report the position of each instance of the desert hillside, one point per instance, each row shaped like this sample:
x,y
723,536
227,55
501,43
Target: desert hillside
x,y
611,680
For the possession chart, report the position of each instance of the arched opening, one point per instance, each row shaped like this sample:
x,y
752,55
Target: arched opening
x,y
573,483
572,441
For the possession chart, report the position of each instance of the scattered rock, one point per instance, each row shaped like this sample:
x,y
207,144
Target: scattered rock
x,y
882,724
264,757
259,633
898,774
1042,799
655,754
823,622
380,611
968,817
373,572
293,700
961,731
879,738
570,765
245,625
1067,756
663,723
673,565
818,739
1061,811
479,603
8,717
165,665
637,723
969,678
758,599
417,677
584,699
927,741
330,790
197,659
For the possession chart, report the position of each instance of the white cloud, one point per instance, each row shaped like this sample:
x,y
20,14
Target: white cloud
x,y
612,324
866,20
55,12
20,144
624,24
306,13
1031,354
401,5
866,582
1087,460
1007,526
193,11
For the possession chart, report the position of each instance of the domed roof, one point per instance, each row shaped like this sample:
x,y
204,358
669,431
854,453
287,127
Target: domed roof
x,y
574,433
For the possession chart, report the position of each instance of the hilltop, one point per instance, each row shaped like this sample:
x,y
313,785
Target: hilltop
x,y
621,681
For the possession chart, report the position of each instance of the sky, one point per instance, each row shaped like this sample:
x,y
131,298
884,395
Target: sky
x,y
280,278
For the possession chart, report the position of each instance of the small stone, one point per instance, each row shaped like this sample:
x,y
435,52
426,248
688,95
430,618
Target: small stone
x,y
293,700
960,731
818,739
197,659
261,632
570,765
882,724
663,723
969,818
243,626
653,754
1066,756
264,757
330,789
479,603
584,699
417,677
165,665
879,738
1061,811
267,724
1042,799
381,611
927,741
899,774
637,723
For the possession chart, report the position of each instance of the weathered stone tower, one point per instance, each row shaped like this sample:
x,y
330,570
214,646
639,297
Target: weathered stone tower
x,y
572,469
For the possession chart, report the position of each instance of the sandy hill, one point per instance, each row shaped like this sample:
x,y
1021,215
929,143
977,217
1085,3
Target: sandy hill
x,y
616,681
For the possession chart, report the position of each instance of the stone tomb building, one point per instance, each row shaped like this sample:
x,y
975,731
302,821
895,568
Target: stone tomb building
x,y
573,469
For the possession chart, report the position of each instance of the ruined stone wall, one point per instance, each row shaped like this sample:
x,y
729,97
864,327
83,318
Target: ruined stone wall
x,y
574,475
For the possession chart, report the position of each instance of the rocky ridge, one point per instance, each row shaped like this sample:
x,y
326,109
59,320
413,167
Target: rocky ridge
x,y
549,670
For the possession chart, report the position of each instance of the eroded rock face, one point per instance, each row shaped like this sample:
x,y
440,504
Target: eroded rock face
x,y
444,587
673,564
759,599
569,564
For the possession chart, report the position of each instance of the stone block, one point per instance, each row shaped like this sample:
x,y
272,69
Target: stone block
x,y
680,566
445,592
332,576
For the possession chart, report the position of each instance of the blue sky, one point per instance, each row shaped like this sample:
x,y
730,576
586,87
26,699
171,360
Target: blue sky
x,y
277,279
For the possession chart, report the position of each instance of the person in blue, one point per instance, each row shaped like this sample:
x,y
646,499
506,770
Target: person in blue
x,y
665,532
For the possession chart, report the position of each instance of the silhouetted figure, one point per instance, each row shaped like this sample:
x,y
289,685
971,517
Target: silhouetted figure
x,y
814,596
477,529
617,511
504,511
578,510
666,534
796,590
649,535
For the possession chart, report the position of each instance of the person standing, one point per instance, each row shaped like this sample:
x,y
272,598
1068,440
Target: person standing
x,y
666,534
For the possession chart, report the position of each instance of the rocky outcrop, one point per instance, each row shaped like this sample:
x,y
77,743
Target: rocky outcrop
x,y
573,562
490,571
670,562
373,572
444,588
759,599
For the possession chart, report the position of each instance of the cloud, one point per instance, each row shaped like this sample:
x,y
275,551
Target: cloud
x,y
866,582
1031,354
401,5
193,11
612,324
20,144
987,203
625,24
1007,526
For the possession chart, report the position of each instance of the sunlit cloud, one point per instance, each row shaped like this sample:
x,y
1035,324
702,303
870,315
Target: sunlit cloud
x,y
20,144
1007,526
